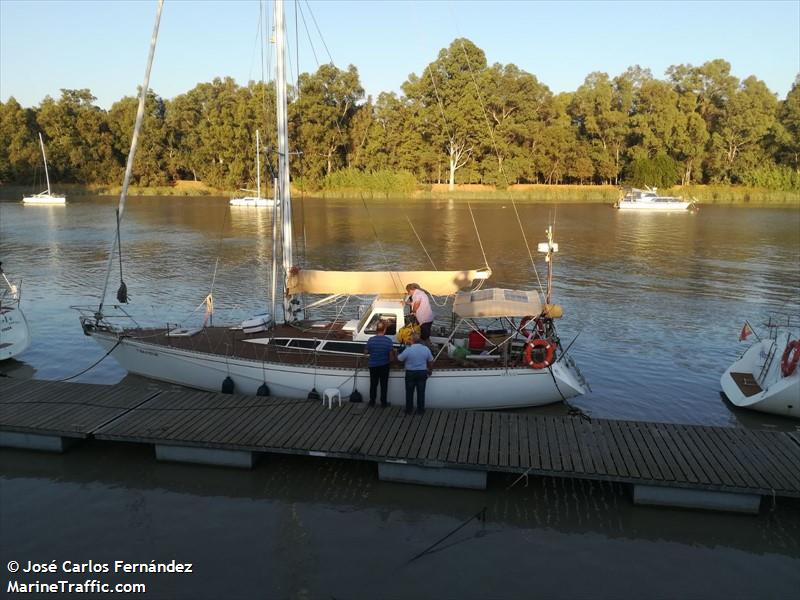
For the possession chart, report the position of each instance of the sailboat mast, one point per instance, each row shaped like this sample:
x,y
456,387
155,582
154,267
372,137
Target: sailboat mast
x,y
283,153
44,158
258,167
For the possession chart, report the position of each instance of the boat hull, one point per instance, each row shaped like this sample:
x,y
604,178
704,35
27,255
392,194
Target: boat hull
x,y
262,202
446,388
654,206
44,200
779,395
15,335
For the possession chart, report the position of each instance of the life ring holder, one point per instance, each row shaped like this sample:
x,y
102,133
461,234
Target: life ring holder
x,y
549,353
539,329
791,356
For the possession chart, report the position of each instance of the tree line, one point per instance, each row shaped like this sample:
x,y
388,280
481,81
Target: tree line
x,y
459,121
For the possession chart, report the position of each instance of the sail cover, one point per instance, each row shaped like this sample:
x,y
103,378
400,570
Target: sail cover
x,y
438,283
497,302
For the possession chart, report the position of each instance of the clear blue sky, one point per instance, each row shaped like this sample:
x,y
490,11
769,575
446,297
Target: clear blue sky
x,y
48,45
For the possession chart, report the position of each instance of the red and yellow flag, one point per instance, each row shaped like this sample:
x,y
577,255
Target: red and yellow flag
x,y
746,331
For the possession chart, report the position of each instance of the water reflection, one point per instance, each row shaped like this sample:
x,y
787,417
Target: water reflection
x,y
301,527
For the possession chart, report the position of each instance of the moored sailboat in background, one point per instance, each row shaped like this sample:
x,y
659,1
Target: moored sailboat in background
x,y
45,197
515,358
256,200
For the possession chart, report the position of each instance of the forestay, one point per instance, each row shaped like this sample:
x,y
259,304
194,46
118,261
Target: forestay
x,y
438,283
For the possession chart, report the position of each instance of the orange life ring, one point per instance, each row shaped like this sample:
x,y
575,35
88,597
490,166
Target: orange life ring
x,y
549,353
791,356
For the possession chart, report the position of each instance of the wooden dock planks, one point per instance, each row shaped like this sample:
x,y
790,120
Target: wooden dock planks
x,y
660,454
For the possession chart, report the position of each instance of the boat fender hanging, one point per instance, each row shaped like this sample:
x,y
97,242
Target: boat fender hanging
x,y
227,385
539,354
314,394
791,356
122,293
263,390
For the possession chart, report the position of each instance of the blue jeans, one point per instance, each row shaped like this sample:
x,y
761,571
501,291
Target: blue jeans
x,y
415,380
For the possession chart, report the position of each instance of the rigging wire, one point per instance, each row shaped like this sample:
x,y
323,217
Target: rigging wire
x,y
319,32
134,144
477,233
421,244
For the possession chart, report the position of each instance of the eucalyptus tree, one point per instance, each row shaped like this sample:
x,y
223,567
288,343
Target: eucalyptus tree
x,y
79,142
149,168
600,114
321,117
19,153
789,118
516,108
744,121
448,94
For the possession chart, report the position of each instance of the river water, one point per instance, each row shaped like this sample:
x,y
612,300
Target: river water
x,y
656,302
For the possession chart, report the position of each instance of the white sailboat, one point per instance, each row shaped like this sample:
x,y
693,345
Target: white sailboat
x,y
256,200
516,361
766,377
15,335
45,197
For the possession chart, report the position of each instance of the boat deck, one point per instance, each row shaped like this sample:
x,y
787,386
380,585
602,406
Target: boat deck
x,y
236,343
653,455
746,383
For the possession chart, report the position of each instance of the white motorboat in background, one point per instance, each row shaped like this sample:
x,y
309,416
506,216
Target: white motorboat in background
x,y
47,196
649,199
15,335
256,200
766,377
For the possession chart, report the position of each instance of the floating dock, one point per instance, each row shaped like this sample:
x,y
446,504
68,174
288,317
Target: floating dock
x,y
688,466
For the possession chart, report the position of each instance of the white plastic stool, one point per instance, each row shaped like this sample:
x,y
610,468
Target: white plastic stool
x,y
331,394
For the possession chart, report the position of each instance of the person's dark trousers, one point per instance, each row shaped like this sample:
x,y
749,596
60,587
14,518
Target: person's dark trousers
x,y
415,380
378,375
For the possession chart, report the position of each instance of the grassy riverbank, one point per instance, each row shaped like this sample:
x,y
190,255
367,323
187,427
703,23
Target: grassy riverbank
x,y
575,194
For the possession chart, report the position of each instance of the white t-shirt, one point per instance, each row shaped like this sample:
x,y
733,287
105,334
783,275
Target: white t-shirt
x,y
423,312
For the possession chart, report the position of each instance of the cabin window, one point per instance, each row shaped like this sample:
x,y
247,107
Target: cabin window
x,y
280,342
390,320
348,347
309,344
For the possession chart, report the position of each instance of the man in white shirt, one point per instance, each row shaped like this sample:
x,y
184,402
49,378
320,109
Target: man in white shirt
x,y
421,309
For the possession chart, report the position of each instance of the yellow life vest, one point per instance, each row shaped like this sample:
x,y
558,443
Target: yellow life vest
x,y
404,334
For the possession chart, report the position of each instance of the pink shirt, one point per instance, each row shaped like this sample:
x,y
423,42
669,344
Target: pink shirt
x,y
423,312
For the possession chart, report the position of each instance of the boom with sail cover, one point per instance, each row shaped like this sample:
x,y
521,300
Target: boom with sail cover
x,y
385,283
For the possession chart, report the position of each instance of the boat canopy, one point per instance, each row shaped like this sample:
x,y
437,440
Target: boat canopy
x,y
387,283
497,302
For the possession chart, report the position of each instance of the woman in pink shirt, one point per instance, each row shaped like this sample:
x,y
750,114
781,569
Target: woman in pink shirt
x,y
421,309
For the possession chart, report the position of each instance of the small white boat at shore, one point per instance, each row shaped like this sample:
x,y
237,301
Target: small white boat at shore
x,y
15,335
47,196
766,377
649,199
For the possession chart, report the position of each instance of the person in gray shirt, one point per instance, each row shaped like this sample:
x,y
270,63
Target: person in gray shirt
x,y
419,364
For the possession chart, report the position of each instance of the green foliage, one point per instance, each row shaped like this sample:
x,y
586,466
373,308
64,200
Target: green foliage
x,y
659,171
460,120
772,177
383,182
